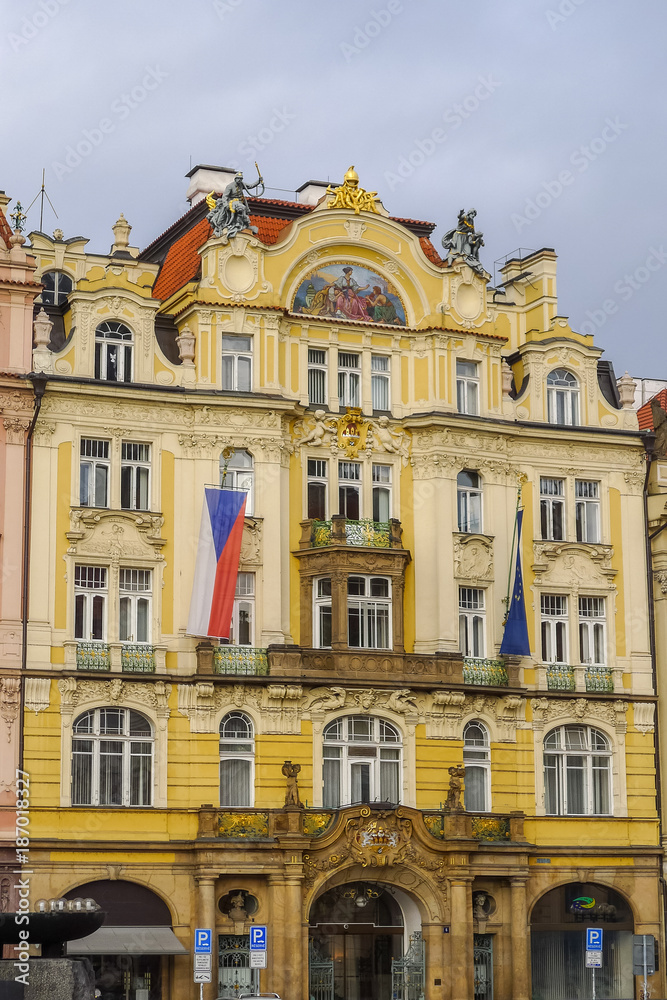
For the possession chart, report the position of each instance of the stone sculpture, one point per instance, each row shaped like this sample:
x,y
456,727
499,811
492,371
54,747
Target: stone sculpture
x,y
463,242
230,213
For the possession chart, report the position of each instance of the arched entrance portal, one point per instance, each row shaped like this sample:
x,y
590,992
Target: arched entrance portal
x,y
558,943
365,944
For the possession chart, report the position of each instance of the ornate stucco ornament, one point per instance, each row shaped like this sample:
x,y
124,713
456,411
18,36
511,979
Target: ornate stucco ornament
x,y
350,195
378,839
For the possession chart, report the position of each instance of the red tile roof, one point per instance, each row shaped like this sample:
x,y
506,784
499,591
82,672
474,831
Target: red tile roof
x,y
182,261
431,252
644,413
5,229
269,229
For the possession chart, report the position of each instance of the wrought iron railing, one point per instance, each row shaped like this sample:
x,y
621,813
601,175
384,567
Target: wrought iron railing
x,y
491,673
599,679
137,658
92,656
246,660
490,828
374,534
560,677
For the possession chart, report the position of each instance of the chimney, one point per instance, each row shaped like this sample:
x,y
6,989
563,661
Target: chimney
x,y
312,192
205,178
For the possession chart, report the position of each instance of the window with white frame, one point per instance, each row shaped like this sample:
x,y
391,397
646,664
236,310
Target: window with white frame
x,y
237,472
369,612
112,758
553,608
322,612
113,352
317,488
467,387
94,473
237,760
57,286
135,593
562,397
577,772
592,620
135,473
243,614
477,763
361,761
236,362
349,379
587,510
552,508
349,490
90,603
317,376
471,621
469,501
380,388
381,492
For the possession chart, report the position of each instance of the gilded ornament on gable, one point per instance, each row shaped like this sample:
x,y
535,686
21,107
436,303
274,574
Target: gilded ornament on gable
x,y
350,195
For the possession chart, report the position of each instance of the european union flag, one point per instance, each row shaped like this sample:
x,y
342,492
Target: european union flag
x,y
515,638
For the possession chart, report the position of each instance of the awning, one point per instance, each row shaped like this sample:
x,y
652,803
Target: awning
x,y
128,941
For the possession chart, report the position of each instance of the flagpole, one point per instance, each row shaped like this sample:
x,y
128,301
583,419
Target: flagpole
x,y
521,478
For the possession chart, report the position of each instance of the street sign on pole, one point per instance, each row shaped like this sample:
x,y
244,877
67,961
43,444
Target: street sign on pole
x,y
202,963
593,959
258,937
202,977
257,959
203,940
593,939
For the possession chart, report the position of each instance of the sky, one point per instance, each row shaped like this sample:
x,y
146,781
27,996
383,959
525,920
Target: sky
x,y
546,116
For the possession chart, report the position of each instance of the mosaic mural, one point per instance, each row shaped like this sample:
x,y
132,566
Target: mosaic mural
x,y
346,291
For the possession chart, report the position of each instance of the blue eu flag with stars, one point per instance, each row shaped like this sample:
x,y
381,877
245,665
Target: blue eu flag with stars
x,y
515,638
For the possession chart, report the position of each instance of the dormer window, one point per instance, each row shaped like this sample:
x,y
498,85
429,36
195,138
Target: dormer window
x,y
57,286
113,352
562,397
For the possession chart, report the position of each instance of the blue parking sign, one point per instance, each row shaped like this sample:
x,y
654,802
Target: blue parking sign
x,y
203,941
593,939
258,937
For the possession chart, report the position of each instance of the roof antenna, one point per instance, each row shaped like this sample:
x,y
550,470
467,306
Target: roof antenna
x,y
42,194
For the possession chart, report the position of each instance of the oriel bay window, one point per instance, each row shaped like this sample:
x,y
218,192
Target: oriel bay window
x,y
577,772
112,758
369,612
361,761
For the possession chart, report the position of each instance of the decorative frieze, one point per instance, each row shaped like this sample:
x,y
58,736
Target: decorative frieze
x,y
75,693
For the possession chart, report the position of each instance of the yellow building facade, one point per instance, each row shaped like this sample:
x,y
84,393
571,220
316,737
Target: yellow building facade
x,y
458,818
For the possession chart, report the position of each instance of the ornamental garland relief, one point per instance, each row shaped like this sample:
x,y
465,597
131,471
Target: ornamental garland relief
x,y
75,693
117,534
569,564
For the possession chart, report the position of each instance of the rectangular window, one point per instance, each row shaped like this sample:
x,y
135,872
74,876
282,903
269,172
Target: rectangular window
x,y
317,488
331,775
349,379
381,492
90,596
471,621
243,615
322,601
135,590
317,377
467,387
135,468
94,473
587,510
349,490
554,628
368,612
552,508
236,363
380,396
592,630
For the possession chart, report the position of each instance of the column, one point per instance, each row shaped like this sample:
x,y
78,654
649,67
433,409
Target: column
x,y
461,932
520,955
338,610
206,918
293,934
435,964
275,974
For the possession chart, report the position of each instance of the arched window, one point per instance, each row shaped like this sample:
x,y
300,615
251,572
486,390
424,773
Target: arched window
x,y
112,758
237,473
477,761
469,501
113,352
361,761
57,286
577,772
237,760
562,397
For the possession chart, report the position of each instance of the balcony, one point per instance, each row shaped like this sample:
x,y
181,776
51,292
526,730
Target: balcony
x,y
599,679
343,531
93,656
560,677
488,673
137,658
246,661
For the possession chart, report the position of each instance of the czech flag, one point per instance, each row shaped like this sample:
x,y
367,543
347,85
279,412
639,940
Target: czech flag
x,y
217,563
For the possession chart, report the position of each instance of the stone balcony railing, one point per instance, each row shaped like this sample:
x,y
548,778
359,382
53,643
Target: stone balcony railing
x,y
583,677
116,657
489,673
343,531
245,660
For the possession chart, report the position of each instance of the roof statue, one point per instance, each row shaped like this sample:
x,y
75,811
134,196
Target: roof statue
x,y
350,195
463,242
230,213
